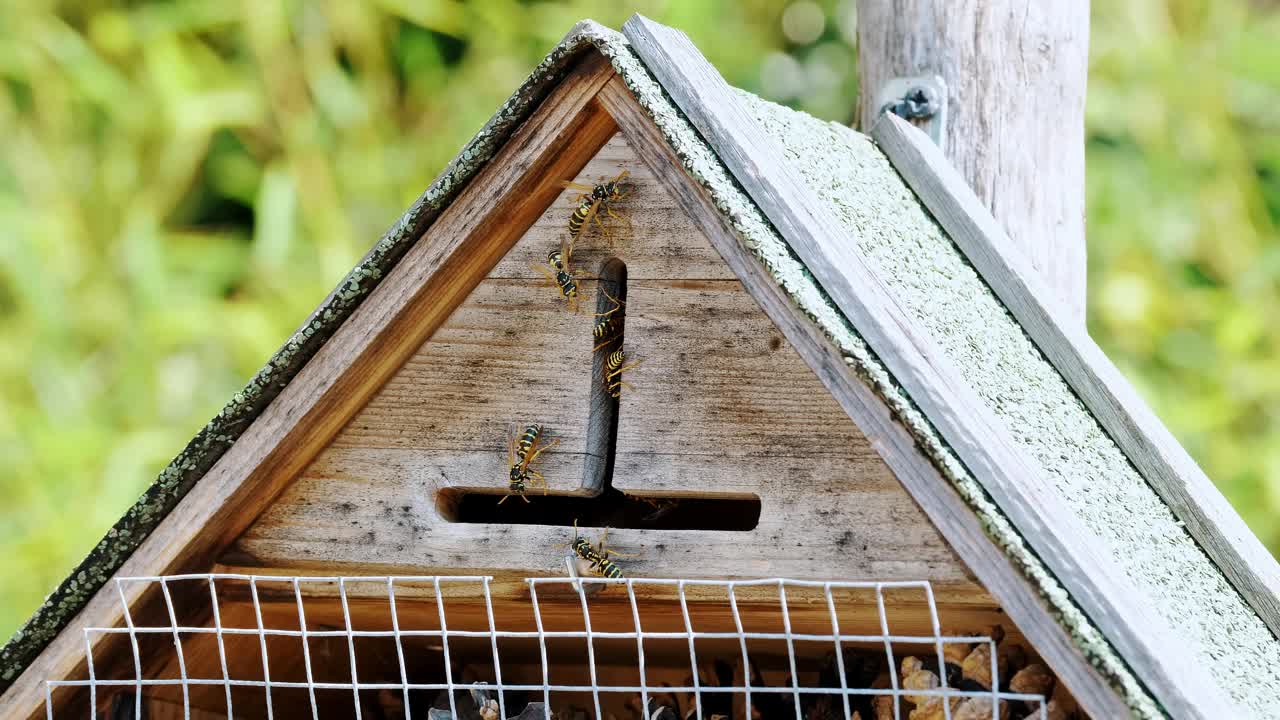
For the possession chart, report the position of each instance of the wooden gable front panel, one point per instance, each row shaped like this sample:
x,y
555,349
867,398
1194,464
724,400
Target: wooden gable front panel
x,y
720,406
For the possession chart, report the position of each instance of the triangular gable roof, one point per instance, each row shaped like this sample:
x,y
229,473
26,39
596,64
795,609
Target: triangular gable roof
x,y
1040,464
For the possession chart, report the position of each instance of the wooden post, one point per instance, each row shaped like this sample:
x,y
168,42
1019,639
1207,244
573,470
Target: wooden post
x,y
1015,72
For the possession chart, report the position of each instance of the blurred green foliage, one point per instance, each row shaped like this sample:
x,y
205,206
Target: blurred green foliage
x,y
181,183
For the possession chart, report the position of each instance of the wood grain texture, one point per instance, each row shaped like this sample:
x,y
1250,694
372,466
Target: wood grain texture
x,y
1130,422
924,372
948,511
406,307
719,405
509,355
1015,72
717,378
650,214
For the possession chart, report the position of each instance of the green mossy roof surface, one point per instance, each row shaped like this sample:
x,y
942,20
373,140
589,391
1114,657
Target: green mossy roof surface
x,y
915,258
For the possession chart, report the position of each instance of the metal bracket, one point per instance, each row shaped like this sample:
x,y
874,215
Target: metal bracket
x,y
922,100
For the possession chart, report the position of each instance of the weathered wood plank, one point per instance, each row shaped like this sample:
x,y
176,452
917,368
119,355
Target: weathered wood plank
x,y
1130,422
649,214
1016,75
406,307
948,511
462,387
354,511
924,372
716,377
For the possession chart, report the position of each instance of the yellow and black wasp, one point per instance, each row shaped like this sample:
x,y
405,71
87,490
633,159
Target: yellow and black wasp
x,y
597,556
557,270
608,325
594,200
613,369
522,453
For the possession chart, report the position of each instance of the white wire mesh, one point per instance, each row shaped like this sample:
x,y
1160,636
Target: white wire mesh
x,y
410,690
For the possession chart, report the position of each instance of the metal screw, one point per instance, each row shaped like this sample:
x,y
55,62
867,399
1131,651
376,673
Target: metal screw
x,y
919,103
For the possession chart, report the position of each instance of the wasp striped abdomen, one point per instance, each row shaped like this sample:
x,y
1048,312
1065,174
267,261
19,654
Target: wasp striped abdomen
x,y
523,452
597,556
608,325
597,559
613,369
584,212
527,441
556,269
594,200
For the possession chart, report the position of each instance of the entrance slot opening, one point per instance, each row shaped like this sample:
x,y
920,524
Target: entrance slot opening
x,y
598,503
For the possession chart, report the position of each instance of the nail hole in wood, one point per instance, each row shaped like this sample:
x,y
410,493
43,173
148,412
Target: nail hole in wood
x,y
598,503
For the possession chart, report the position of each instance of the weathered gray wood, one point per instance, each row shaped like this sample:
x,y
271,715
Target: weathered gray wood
x,y
711,410
1093,579
1163,462
716,378
948,511
657,219
1015,72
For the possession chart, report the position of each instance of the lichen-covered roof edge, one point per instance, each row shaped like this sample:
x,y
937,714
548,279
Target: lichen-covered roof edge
x,y
768,246
757,234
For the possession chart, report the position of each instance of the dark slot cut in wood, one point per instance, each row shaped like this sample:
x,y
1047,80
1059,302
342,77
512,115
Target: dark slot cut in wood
x,y
598,503
611,509
602,427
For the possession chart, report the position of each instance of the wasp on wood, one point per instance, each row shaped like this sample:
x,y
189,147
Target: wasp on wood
x,y
597,557
557,270
594,200
521,454
608,326
613,369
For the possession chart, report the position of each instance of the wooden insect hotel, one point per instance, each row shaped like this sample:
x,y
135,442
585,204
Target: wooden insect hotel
x,y
850,461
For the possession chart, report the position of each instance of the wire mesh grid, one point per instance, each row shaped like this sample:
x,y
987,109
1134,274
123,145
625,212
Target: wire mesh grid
x,y
745,689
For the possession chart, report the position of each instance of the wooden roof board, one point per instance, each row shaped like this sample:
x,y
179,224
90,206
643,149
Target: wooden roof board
x,y
924,465
879,218
1116,405
1191,499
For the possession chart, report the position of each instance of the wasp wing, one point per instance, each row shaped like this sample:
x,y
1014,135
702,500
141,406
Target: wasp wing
x,y
586,223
